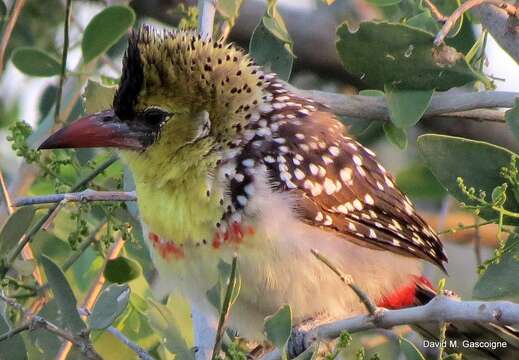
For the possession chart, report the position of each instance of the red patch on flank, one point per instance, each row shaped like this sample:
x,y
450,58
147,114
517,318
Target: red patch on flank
x,y
404,296
234,234
217,240
168,249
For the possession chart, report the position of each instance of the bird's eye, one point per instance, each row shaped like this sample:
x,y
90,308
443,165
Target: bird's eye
x,y
155,116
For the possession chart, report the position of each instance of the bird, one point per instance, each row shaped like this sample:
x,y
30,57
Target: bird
x,y
229,161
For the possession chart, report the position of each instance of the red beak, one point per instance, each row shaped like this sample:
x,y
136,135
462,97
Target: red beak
x,y
103,129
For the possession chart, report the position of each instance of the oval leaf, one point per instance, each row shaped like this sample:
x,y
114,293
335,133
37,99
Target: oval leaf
x,y
112,302
14,346
14,228
35,62
512,119
122,269
98,97
164,323
270,52
63,295
278,327
478,163
105,29
499,281
397,54
406,107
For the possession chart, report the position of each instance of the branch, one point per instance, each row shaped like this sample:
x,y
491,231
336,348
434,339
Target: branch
x,y
38,322
375,108
141,353
17,9
440,309
510,9
206,13
82,196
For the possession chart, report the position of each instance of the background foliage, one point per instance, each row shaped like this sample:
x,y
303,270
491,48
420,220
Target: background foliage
x,y
79,246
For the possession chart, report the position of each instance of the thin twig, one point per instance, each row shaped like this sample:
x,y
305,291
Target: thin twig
x,y
92,295
38,322
347,279
5,194
477,241
224,311
436,12
17,9
141,353
85,195
27,238
64,56
440,309
510,9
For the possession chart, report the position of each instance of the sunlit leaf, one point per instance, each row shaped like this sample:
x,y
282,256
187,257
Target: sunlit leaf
x,y
402,56
98,97
111,303
162,320
14,228
478,163
122,269
395,135
278,327
229,9
35,62
105,29
63,295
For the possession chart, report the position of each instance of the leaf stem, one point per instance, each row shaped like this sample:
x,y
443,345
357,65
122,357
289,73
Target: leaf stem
x,y
64,56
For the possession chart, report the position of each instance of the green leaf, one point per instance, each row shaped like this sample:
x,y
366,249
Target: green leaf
x,y
499,195
424,21
410,350
270,52
105,29
229,9
14,346
274,22
499,281
401,55
382,3
63,295
512,118
36,62
478,163
3,10
111,303
122,269
98,97
216,294
163,321
278,327
406,107
14,228
395,135
417,181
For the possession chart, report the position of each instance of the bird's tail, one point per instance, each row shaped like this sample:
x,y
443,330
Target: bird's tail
x,y
475,340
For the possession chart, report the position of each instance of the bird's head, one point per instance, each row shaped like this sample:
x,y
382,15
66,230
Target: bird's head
x,y
179,93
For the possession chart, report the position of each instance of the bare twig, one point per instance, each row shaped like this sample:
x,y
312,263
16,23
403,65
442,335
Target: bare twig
x,y
85,195
141,353
436,12
63,61
38,322
5,194
375,108
440,309
17,9
224,311
91,297
510,9
347,279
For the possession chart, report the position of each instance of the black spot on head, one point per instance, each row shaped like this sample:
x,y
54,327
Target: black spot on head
x,y
132,77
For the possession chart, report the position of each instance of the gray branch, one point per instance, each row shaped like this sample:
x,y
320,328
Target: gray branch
x,y
440,309
85,195
141,353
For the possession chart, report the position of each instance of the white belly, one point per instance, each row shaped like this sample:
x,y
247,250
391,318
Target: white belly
x,y
277,268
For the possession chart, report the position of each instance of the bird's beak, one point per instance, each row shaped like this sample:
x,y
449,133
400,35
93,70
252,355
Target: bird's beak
x,y
102,129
